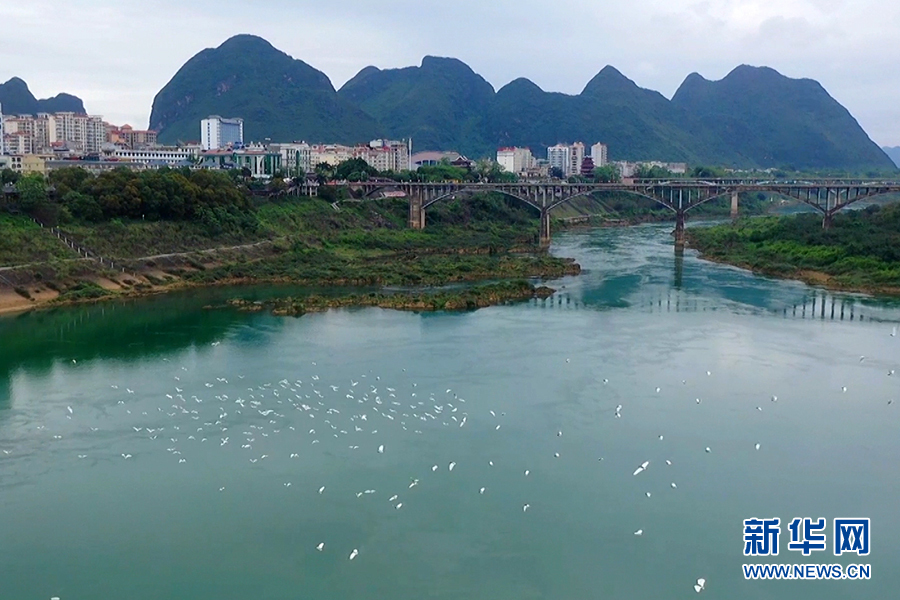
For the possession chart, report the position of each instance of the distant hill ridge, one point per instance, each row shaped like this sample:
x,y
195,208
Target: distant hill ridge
x,y
754,117
893,153
17,99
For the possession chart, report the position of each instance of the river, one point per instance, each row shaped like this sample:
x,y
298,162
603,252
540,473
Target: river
x,y
153,449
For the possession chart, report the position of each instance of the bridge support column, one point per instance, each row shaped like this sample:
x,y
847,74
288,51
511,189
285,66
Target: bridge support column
x,y
416,212
734,205
679,228
545,228
826,221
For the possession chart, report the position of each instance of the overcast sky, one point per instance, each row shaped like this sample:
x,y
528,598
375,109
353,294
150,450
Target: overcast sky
x,y
117,54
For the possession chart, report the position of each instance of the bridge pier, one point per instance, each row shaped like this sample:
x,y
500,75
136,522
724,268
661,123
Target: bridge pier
x,y
416,212
679,228
545,228
734,205
826,221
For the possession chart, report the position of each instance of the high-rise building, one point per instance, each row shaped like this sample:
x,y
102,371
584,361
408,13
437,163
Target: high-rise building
x,y
216,132
38,134
559,157
576,157
600,154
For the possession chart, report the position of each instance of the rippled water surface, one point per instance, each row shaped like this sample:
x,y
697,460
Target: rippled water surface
x,y
154,449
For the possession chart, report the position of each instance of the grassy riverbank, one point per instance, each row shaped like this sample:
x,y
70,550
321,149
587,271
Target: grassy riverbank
x,y
296,240
860,252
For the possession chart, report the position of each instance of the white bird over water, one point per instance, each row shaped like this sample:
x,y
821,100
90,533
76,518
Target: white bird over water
x,y
525,508
708,450
381,449
354,554
639,532
757,446
642,468
451,465
321,546
700,585
69,408
321,489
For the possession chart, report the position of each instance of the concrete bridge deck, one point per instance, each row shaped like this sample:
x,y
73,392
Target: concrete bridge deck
x,y
828,196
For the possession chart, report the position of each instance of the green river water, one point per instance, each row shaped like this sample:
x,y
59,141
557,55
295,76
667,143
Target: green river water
x,y
155,450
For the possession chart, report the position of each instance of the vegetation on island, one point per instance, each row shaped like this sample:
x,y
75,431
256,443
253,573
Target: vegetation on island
x,y
860,251
460,299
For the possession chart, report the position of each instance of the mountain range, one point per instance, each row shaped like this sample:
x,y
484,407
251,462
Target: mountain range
x,y
17,99
893,153
754,117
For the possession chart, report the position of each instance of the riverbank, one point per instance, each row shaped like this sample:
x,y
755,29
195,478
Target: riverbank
x,y
859,253
305,242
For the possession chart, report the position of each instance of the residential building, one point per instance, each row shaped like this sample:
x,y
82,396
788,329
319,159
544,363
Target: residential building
x,y
330,154
217,133
84,133
129,137
387,155
576,157
80,133
559,157
515,160
600,154
18,143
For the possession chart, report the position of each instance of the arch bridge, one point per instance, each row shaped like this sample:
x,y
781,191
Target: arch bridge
x,y
678,195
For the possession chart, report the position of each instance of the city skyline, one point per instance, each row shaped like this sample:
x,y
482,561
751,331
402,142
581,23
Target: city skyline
x,y
95,50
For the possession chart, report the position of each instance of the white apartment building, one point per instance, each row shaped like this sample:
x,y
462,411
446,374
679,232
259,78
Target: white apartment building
x,y
559,157
566,157
600,154
576,157
80,133
386,155
515,160
216,132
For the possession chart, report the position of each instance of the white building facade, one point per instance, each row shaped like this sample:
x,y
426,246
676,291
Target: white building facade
x,y
559,157
217,132
600,154
515,160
